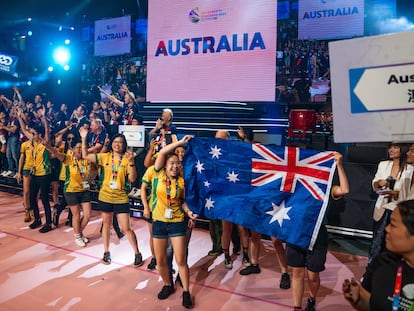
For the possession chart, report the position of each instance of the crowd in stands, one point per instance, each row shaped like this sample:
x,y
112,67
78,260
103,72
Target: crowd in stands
x,y
111,73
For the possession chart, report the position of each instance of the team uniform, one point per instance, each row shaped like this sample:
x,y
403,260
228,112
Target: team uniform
x,y
166,200
114,183
76,186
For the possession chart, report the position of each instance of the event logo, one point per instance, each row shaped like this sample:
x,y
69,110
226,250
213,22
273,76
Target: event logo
x,y
5,60
196,15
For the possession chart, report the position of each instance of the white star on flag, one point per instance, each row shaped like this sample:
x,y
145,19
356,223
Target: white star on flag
x,y
209,203
279,213
232,177
215,152
199,166
207,184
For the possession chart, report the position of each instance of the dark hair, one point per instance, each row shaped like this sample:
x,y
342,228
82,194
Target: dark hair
x,y
406,209
403,155
124,140
39,130
169,155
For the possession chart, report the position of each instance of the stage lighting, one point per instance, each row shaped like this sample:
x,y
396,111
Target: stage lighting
x,y
29,83
67,41
61,55
50,68
66,67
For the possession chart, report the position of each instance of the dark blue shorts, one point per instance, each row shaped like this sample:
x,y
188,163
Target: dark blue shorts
x,y
165,230
75,198
313,260
112,208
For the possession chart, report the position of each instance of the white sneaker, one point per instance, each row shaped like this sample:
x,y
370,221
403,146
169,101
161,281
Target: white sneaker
x,y
85,239
79,242
8,173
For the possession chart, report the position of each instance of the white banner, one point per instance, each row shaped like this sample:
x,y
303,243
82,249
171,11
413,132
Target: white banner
x,y
222,50
373,88
329,19
113,36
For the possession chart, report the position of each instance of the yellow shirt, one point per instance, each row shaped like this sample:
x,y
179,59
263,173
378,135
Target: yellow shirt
x,y
158,198
37,158
114,183
26,150
75,172
62,174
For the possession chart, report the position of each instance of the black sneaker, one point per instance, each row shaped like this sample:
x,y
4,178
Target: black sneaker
x,y
36,224
165,292
252,269
187,303
310,305
285,281
215,252
228,263
246,260
106,258
55,216
46,228
153,264
138,260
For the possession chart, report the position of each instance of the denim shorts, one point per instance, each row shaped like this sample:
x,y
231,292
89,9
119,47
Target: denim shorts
x,y
165,230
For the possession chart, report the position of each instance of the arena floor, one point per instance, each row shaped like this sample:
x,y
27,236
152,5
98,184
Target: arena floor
x,y
49,272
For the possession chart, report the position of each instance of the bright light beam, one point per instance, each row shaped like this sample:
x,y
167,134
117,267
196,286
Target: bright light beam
x,y
61,55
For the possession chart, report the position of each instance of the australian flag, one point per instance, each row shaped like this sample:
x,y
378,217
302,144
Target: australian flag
x,y
278,191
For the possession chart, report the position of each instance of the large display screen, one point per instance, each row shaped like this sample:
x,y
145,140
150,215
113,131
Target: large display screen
x,y
217,50
113,36
329,19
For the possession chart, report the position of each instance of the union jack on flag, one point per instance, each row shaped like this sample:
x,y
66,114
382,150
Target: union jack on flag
x,y
278,191
291,169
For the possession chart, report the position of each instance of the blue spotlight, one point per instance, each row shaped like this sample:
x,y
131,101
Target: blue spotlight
x,y
50,68
61,55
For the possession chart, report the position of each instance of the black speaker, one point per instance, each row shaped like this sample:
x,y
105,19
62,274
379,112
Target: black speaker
x,y
319,142
367,154
355,209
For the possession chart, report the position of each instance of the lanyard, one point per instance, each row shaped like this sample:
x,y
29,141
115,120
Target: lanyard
x,y
168,185
115,169
81,169
397,288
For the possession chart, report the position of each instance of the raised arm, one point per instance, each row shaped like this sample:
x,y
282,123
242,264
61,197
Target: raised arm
x,y
19,96
23,125
91,157
111,97
343,187
158,125
160,161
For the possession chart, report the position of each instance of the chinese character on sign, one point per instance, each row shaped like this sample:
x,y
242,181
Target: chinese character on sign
x,y
411,96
